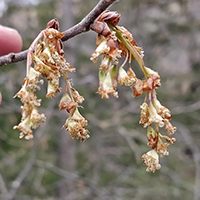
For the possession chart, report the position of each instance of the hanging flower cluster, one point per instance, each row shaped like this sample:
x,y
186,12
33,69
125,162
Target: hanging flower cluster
x,y
114,42
47,56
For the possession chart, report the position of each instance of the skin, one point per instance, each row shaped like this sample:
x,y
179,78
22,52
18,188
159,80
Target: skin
x,y
10,41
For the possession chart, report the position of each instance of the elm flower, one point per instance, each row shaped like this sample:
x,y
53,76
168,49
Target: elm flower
x,y
162,110
161,148
169,127
106,85
144,116
154,117
103,48
151,160
126,78
31,119
75,125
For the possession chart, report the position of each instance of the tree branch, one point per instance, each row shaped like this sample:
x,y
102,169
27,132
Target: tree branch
x,y
77,29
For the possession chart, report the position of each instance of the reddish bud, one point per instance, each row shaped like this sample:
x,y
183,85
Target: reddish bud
x,y
53,24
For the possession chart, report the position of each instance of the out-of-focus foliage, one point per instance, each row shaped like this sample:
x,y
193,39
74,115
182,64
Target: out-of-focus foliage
x,y
108,165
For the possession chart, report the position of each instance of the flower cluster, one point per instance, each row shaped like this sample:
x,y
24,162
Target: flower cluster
x,y
114,42
76,122
47,56
31,119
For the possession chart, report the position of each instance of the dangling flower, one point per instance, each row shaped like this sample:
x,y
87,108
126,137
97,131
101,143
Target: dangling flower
x,y
106,85
154,117
105,63
162,110
76,96
151,160
152,137
31,119
126,78
153,79
168,126
144,117
162,148
116,41
75,125
67,103
47,56
103,48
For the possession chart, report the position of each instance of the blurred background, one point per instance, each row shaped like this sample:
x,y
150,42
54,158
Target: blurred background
x,y
108,165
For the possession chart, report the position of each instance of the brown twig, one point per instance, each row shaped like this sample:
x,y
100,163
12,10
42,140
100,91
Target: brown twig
x,y
77,29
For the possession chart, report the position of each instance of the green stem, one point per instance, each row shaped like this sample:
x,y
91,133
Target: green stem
x,y
129,46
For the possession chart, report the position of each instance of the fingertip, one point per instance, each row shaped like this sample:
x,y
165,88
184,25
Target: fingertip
x,y
10,41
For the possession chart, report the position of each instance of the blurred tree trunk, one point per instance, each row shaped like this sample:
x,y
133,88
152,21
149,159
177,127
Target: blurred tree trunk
x,y
66,155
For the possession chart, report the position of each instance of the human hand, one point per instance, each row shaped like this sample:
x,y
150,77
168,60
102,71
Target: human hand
x,y
10,41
